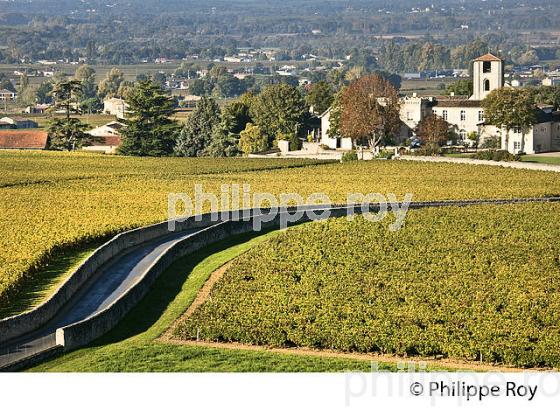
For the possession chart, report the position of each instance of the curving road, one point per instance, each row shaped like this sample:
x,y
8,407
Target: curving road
x,y
114,278
123,271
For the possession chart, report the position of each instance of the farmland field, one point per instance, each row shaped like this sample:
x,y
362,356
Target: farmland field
x,y
478,283
133,346
52,202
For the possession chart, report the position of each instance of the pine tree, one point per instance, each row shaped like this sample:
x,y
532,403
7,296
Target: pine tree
x,y
67,133
149,129
196,136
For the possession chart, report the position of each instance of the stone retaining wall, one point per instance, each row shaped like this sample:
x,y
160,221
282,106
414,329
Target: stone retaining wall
x,y
16,326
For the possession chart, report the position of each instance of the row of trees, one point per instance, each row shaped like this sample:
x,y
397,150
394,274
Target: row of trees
x,y
400,57
250,124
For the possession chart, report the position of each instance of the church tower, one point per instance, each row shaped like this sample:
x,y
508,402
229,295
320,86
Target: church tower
x,y
488,75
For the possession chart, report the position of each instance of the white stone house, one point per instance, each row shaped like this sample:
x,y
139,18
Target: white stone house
x,y
115,106
329,141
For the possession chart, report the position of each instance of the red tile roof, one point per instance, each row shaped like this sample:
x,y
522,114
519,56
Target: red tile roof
x,y
23,139
488,57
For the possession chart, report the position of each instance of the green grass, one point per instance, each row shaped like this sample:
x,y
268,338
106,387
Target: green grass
x,y
132,346
540,159
47,280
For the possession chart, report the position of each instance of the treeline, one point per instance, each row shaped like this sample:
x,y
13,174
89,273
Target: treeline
x,y
127,34
253,123
429,55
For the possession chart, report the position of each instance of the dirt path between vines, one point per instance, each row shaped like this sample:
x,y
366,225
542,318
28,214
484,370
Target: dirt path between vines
x,y
201,297
416,363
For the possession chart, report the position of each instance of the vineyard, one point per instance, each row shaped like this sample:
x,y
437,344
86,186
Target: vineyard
x,y
58,201
477,283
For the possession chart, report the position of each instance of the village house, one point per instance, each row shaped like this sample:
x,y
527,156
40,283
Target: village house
x,y
19,122
37,109
5,125
466,115
7,95
106,138
115,106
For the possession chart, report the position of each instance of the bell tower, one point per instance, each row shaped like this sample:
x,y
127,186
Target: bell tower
x,y
488,75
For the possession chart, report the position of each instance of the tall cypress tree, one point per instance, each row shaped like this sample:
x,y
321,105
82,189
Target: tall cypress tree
x,y
149,130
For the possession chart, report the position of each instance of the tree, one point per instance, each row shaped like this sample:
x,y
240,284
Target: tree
x,y
474,137
44,93
278,109
546,95
320,97
354,73
6,84
461,87
110,85
335,114
509,108
236,115
149,129
26,95
196,135
370,110
222,144
433,130
67,134
252,140
528,58
66,95
86,76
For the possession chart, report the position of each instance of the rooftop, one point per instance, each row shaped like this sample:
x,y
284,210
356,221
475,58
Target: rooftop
x,y
488,57
23,139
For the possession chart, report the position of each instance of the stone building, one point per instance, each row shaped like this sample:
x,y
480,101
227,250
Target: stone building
x,y
466,115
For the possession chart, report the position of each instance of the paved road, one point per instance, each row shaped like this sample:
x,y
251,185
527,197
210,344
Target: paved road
x,y
107,286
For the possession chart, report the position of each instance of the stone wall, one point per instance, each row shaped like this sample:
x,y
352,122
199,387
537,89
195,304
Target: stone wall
x,y
16,326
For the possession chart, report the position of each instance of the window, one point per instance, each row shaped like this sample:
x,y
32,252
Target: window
x,y
516,145
463,135
445,115
486,67
481,116
463,115
486,85
517,130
